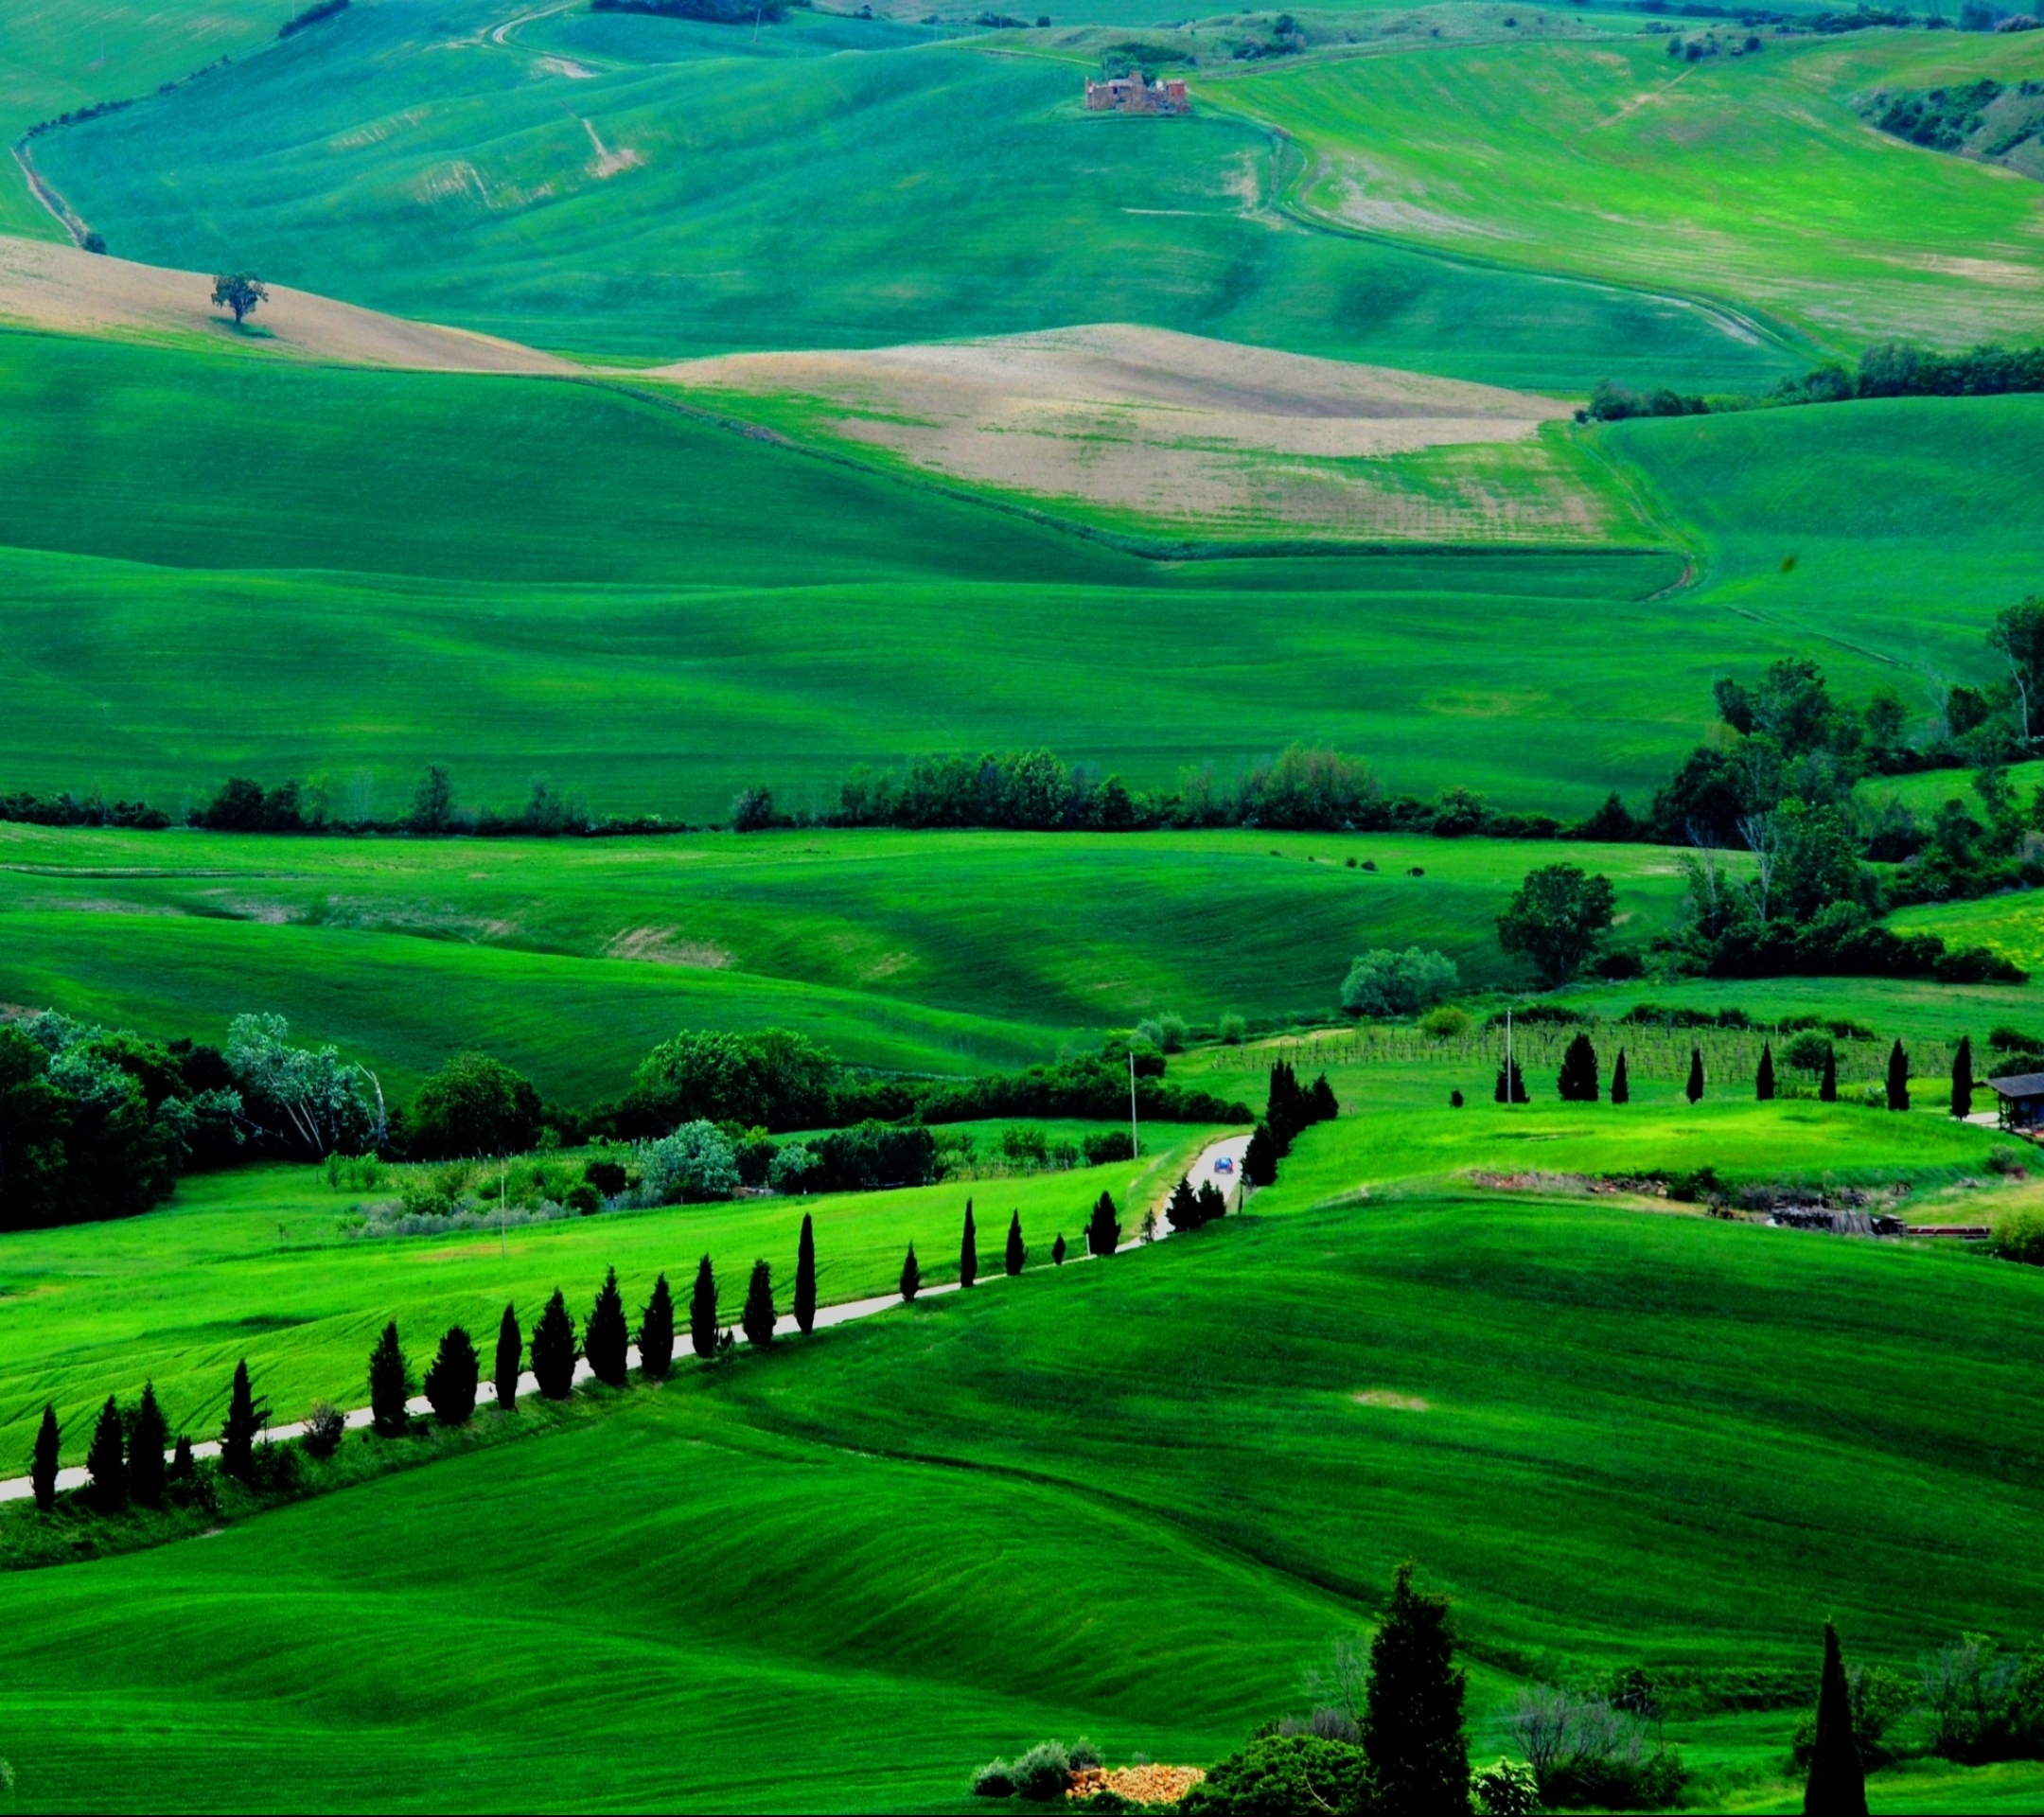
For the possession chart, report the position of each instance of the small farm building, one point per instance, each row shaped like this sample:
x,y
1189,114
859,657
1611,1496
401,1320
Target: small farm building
x,y
2021,1096
1133,95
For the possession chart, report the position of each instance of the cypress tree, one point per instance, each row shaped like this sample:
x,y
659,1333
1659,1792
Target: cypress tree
x,y
1326,1107
390,1386
245,1419
911,1276
758,1317
183,1466
1962,1099
968,1251
656,1333
510,1359
1897,1078
554,1349
606,1339
1260,1161
1579,1080
1184,1208
805,1277
1764,1078
1510,1088
105,1463
1212,1201
148,1432
1837,1783
1057,1251
43,1461
1017,1251
1621,1087
1103,1232
1412,1712
1827,1085
703,1319
1695,1087
450,1383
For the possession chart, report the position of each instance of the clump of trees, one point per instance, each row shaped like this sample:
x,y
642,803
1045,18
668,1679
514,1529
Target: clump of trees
x,y
1387,982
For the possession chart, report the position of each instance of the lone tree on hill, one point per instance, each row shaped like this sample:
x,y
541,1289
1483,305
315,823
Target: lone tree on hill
x,y
968,1251
1579,1080
1412,1709
43,1462
757,1321
1057,1251
702,1318
432,801
105,1463
450,1383
510,1357
1897,1078
245,1419
1102,1232
554,1349
148,1434
605,1339
1837,1783
1017,1256
1621,1087
911,1276
1694,1089
1827,1085
656,1334
805,1277
1259,1160
239,292
1556,920
1961,1098
390,1386
1184,1208
1764,1078
1510,1088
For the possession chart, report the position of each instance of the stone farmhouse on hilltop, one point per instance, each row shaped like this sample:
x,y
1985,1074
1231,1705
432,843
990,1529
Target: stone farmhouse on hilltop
x,y
1133,95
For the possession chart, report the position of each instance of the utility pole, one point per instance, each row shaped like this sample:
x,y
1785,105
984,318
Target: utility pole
x,y
1134,1134
1508,1094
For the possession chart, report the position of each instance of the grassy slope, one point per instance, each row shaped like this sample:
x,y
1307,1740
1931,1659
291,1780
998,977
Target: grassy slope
x,y
822,1616
785,197
2012,926
1745,179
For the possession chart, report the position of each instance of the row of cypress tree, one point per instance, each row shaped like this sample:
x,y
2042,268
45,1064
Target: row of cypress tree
x,y
1290,1109
1578,1080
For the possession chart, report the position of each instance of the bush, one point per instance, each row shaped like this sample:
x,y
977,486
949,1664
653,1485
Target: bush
x,y
326,1425
694,1165
608,1177
1233,1028
870,1155
1284,1775
994,1780
1506,1789
1876,1699
1583,1751
1108,1145
772,1079
1807,1052
1447,1023
2006,1162
473,1105
1982,1704
1043,1772
1382,983
790,1168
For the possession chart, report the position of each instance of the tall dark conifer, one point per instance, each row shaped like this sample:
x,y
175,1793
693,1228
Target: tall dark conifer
x,y
1184,1208
1017,1256
1694,1089
1578,1083
1961,1098
148,1431
805,1277
1412,1712
554,1349
1260,1161
1326,1107
702,1311
758,1317
106,1464
450,1383
390,1386
1621,1086
42,1460
606,1339
245,1419
1057,1251
1102,1232
1898,1096
1827,1084
1510,1086
968,1251
1837,1783
656,1334
1764,1077
911,1276
510,1359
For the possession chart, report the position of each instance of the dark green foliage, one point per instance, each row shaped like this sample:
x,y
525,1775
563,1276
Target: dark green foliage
x,y
390,1386
1212,1203
605,1339
148,1434
1288,1110
1556,920
968,1251
1962,1084
1578,1080
702,1311
1183,1209
239,292
1510,1088
313,16
1321,1101
1837,1783
1057,1251
1095,1088
708,13
432,801
1108,1145
804,1308
510,1359
473,1105
1827,1085
757,1321
245,1419
1102,1232
43,1461
554,1349
1898,1092
325,1427
869,1157
773,1079
75,1152
450,1383
106,1464
1621,1087
656,1334
184,1467
1694,1089
1412,1713
1259,1160
1016,1258
911,1276
1764,1075
1287,1775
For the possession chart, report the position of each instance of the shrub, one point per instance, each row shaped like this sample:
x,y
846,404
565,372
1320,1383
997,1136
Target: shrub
x,y
791,1169
774,1080
1043,1772
1106,1145
911,1275
1807,1052
1506,1789
390,1386
473,1105
1233,1028
2006,1162
694,1165
1278,1775
1583,1751
1446,1023
1103,1232
1382,983
326,1425
608,1177
1969,1694
994,1780
1876,1699
583,1200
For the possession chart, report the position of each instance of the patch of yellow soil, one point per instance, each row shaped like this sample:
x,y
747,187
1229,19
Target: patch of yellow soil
x,y
48,286
1189,431
1385,1398
665,947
